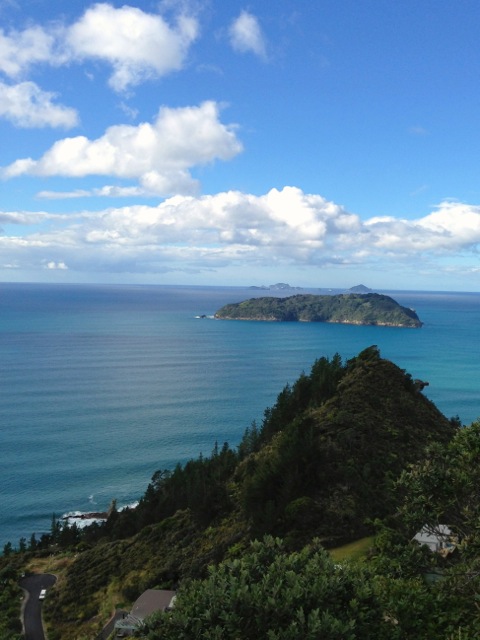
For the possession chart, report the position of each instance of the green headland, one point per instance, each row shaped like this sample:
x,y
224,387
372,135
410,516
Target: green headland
x,y
350,308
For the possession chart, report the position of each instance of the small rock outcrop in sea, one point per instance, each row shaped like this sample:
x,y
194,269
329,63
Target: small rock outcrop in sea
x,y
420,384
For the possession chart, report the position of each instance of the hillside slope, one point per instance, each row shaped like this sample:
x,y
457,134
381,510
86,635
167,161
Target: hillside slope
x,y
321,464
332,467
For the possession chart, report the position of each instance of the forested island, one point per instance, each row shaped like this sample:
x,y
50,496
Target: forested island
x,y
307,529
349,308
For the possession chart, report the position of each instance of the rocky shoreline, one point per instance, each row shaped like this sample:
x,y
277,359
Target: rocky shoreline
x,y
93,515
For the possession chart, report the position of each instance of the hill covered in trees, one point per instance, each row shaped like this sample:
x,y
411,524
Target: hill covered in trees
x,y
348,308
351,449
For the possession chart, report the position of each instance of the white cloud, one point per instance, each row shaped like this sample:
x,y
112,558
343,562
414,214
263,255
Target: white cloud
x,y
26,105
21,49
138,45
246,35
55,266
458,223
29,217
282,228
453,227
108,191
158,155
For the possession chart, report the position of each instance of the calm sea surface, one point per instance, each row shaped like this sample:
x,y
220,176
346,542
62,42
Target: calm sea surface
x,y
102,385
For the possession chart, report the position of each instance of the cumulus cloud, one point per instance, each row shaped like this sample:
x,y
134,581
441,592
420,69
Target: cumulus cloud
x,y
458,223
246,35
19,50
26,105
453,227
136,44
158,155
282,227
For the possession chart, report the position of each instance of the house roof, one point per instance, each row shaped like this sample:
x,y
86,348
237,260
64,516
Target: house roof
x,y
435,537
150,601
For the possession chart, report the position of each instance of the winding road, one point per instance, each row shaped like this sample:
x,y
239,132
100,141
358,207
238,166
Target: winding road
x,y
32,605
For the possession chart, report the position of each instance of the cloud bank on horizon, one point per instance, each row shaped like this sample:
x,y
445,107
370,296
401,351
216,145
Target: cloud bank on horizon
x,y
198,195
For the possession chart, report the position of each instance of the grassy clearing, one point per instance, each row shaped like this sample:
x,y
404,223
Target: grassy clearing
x,y
353,550
56,564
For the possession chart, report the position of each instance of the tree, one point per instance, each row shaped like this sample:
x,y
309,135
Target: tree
x,y
270,593
33,542
443,490
55,529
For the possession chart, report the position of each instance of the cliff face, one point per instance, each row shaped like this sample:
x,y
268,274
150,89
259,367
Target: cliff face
x,y
352,308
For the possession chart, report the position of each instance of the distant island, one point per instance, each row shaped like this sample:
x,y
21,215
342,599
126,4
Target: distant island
x,y
349,308
283,286
279,286
360,288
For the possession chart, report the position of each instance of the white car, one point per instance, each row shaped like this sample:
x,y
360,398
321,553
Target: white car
x,y
42,595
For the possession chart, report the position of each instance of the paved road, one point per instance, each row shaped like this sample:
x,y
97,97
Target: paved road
x,y
32,607
107,630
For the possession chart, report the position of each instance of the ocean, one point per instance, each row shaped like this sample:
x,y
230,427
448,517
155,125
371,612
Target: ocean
x,y
102,385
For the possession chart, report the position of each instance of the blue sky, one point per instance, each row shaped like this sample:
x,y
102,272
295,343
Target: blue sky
x,y
324,144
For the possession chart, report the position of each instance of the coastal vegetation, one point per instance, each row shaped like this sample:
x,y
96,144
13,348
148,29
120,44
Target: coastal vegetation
x,y
10,594
304,530
348,308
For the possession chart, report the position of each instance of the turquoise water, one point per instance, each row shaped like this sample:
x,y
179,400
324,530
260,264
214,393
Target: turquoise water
x,y
102,385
